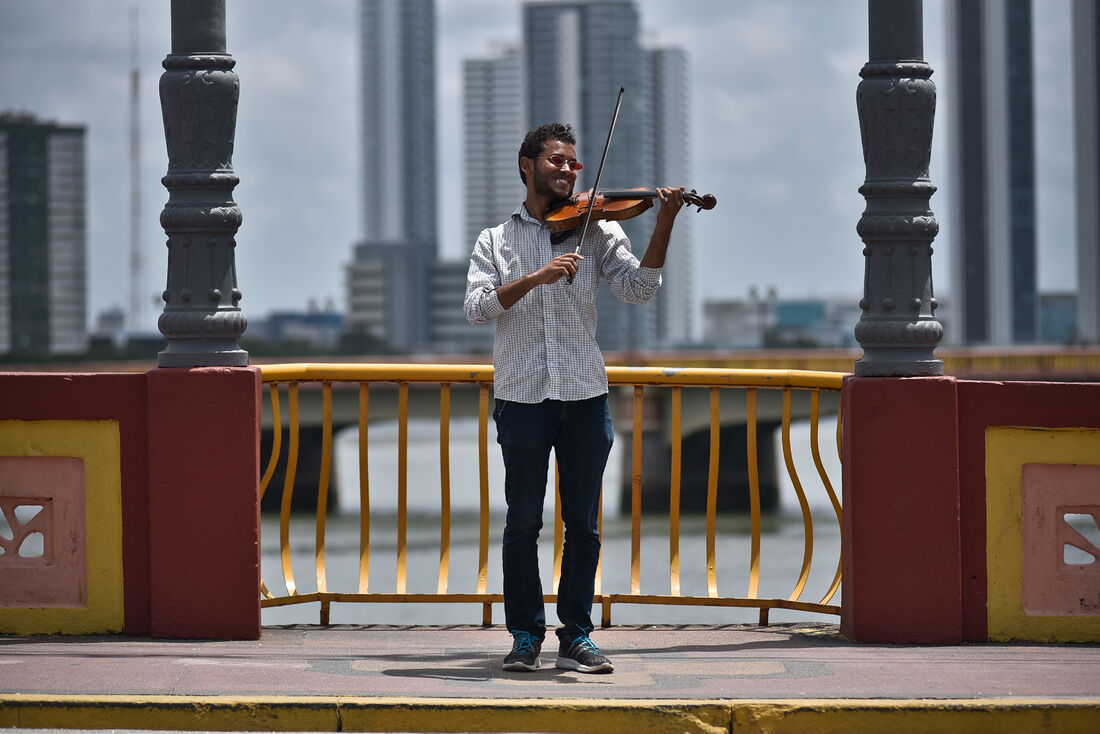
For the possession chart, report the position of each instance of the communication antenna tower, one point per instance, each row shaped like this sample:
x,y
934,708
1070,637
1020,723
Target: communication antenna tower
x,y
136,286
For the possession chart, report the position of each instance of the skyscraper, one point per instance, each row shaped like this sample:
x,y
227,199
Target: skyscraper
x,y
494,123
43,305
669,104
564,42
993,172
397,77
387,278
1086,118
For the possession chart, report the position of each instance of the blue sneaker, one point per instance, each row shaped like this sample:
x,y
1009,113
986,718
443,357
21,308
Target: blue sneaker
x,y
583,656
525,652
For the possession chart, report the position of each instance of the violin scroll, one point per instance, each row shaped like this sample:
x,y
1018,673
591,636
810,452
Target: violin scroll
x,y
706,201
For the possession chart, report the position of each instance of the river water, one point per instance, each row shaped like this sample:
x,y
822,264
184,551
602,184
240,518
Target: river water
x,y
781,549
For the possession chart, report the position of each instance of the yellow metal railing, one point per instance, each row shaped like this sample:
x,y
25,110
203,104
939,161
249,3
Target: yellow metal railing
x,y
1030,362
290,380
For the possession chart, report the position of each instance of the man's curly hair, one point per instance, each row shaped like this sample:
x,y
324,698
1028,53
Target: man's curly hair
x,y
536,140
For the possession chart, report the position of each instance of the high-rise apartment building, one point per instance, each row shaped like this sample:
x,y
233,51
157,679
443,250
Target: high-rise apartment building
x,y
564,43
399,293
43,305
397,77
388,294
494,121
669,106
561,40
449,332
1086,118
386,280
994,284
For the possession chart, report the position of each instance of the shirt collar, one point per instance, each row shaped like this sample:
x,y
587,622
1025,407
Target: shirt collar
x,y
522,213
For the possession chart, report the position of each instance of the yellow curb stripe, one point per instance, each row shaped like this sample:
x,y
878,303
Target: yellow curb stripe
x,y
901,716
348,713
184,713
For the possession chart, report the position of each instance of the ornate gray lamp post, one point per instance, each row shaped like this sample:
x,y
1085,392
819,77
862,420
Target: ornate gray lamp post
x,y
201,321
897,102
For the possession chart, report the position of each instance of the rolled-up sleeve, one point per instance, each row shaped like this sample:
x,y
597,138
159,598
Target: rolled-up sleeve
x,y
630,281
482,280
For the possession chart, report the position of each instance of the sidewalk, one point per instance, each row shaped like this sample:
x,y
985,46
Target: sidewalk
x,y
789,678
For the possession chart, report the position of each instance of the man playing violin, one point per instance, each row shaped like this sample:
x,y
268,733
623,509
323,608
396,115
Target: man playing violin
x,y
550,385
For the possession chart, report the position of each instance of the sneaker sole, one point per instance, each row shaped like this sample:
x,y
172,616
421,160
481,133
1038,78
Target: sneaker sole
x,y
522,666
571,664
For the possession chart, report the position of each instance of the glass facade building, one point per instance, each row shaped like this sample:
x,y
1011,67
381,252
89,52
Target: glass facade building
x,y
993,247
398,257
669,105
43,301
397,101
494,122
1086,104
386,282
561,40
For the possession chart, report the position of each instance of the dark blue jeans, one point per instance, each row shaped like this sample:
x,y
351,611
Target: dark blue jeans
x,y
580,432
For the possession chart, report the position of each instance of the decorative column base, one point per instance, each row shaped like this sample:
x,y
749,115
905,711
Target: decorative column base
x,y
212,357
902,366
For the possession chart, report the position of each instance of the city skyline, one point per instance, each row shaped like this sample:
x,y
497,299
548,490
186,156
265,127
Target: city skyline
x,y
774,130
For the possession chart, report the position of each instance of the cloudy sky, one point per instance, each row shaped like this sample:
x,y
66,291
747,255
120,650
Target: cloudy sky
x,y
775,136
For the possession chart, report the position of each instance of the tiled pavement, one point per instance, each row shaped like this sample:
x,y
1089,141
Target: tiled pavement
x,y
667,678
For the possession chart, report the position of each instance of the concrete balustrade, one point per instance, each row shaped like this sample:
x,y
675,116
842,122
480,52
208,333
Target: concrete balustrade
x,y
169,494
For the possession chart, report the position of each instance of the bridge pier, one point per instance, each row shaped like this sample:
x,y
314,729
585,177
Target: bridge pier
x,y
310,457
733,477
733,493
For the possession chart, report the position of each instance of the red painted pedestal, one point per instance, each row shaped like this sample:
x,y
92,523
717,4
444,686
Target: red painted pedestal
x,y
204,523
902,558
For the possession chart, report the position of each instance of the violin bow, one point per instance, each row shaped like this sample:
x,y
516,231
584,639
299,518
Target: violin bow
x,y
599,172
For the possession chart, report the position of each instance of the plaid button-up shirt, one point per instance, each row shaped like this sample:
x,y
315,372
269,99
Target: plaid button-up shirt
x,y
545,344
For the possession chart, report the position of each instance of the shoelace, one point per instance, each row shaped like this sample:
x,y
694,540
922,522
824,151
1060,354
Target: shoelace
x,y
585,642
524,641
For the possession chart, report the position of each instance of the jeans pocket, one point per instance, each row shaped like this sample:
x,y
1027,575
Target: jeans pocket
x,y
498,417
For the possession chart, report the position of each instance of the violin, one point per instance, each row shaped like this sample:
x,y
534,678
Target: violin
x,y
613,204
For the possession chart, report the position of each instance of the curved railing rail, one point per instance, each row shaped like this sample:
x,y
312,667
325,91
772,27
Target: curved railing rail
x,y
290,379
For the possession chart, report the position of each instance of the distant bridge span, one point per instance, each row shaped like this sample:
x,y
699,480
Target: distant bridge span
x,y
1058,364
1042,363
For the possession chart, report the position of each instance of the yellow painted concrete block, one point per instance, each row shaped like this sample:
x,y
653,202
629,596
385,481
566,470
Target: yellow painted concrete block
x,y
1008,451
96,443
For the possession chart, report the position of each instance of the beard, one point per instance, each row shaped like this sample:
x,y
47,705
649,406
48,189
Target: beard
x,y
553,186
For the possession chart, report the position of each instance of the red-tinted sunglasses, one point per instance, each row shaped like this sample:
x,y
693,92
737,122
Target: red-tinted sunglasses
x,y
559,160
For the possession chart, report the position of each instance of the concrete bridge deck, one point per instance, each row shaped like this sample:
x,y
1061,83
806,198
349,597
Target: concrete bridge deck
x,y
789,678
